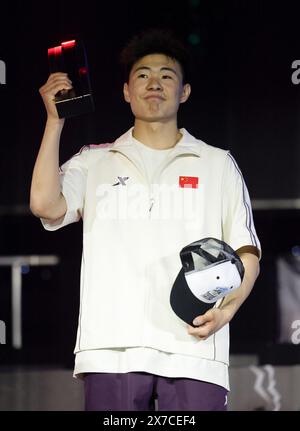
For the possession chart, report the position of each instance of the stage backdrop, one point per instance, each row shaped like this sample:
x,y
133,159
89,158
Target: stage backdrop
x,y
245,97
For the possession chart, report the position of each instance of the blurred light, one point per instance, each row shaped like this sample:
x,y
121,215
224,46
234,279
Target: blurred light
x,y
68,44
194,3
83,71
56,50
194,39
296,251
25,269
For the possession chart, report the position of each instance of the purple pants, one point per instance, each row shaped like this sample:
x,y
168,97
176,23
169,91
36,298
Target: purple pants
x,y
138,391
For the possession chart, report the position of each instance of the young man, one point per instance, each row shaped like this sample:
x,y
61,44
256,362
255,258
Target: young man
x,y
137,215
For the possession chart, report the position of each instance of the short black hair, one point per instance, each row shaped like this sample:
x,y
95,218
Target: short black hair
x,y
155,41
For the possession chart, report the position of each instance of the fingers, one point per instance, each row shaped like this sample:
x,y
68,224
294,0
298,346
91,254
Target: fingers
x,y
59,77
56,82
201,320
201,332
205,325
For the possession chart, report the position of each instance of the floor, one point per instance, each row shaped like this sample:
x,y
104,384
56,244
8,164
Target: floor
x,y
253,387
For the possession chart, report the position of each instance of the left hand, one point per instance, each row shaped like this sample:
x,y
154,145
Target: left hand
x,y
215,318
208,323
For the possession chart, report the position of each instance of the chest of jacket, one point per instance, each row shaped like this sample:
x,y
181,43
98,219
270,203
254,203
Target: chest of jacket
x,y
184,188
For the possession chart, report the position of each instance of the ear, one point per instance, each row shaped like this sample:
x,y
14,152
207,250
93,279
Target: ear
x,y
126,92
186,91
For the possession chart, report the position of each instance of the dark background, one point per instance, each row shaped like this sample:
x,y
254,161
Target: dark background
x,y
242,99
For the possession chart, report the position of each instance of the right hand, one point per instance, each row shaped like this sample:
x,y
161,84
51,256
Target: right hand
x,y
56,82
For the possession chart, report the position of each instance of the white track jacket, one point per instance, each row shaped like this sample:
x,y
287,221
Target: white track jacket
x,y
133,230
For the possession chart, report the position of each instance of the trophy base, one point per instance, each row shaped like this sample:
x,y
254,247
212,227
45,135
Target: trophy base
x,y
67,108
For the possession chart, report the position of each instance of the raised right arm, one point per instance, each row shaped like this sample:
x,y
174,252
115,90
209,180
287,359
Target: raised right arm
x,y
46,199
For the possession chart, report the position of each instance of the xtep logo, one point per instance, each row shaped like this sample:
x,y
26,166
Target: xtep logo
x,y
121,181
2,72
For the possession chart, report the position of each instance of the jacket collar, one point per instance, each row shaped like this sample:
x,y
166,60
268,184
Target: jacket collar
x,y
187,144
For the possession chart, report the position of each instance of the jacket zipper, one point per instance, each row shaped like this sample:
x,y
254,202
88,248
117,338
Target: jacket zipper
x,y
156,175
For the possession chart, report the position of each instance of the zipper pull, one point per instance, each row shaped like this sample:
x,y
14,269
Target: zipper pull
x,y
151,204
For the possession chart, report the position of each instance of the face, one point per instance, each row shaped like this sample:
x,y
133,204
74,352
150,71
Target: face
x,y
155,88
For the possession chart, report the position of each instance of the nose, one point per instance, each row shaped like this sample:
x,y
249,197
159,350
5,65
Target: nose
x,y
154,84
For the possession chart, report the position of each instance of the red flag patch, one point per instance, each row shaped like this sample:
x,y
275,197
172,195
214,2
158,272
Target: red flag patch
x,y
189,182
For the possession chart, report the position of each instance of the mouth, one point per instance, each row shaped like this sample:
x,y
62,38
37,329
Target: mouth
x,y
154,98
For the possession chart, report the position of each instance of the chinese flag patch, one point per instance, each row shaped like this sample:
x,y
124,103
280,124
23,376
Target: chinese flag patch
x,y
189,182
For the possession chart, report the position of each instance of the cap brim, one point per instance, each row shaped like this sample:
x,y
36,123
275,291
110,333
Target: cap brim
x,y
184,303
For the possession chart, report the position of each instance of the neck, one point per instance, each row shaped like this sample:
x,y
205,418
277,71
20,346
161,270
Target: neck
x,y
157,135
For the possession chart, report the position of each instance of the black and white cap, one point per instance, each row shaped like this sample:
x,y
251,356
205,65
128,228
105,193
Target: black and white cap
x,y
210,270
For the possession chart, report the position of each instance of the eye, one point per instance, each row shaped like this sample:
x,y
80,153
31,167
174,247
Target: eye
x,y
143,75
167,77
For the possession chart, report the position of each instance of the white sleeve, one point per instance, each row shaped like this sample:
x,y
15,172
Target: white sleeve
x,y
237,218
73,182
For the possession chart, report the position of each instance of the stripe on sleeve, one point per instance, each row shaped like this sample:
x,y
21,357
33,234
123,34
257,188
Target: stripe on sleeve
x,y
249,215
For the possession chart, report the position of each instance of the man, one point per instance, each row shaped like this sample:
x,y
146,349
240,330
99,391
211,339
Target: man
x,y
142,199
